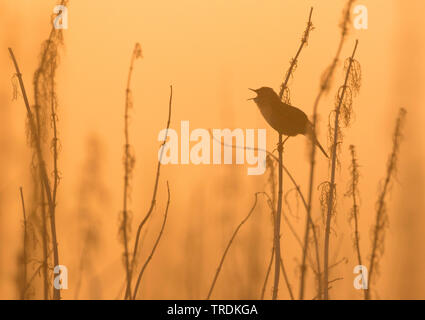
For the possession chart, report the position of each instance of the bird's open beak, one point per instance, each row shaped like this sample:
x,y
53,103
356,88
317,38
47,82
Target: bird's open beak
x,y
254,91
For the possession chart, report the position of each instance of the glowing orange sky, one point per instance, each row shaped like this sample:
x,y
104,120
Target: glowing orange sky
x,y
212,52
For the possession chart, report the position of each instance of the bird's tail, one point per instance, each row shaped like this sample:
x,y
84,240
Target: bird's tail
x,y
316,142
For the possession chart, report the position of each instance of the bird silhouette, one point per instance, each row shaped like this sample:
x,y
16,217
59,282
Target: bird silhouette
x,y
284,118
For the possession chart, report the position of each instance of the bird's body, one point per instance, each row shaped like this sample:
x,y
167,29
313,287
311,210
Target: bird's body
x,y
284,118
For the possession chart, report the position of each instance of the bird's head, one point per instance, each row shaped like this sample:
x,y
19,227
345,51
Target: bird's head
x,y
264,95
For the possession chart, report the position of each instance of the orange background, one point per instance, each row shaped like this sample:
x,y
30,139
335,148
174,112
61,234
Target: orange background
x,y
211,52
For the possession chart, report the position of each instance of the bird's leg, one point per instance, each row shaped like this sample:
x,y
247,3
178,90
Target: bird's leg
x,y
280,145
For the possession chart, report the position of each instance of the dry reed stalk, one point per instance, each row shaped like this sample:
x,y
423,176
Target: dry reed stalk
x,y
55,140
42,165
284,94
271,202
353,192
381,214
343,108
149,258
45,246
285,276
324,87
45,94
129,161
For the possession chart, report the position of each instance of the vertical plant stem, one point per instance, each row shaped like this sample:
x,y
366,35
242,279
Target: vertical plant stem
x,y
277,221
128,167
323,88
55,159
45,245
271,202
379,228
25,244
55,139
355,209
155,188
285,276
284,87
43,171
41,83
332,182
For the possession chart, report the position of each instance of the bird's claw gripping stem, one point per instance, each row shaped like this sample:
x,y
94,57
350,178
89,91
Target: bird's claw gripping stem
x,y
280,145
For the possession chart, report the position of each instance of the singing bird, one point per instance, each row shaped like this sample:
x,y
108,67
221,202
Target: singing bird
x,y
285,119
